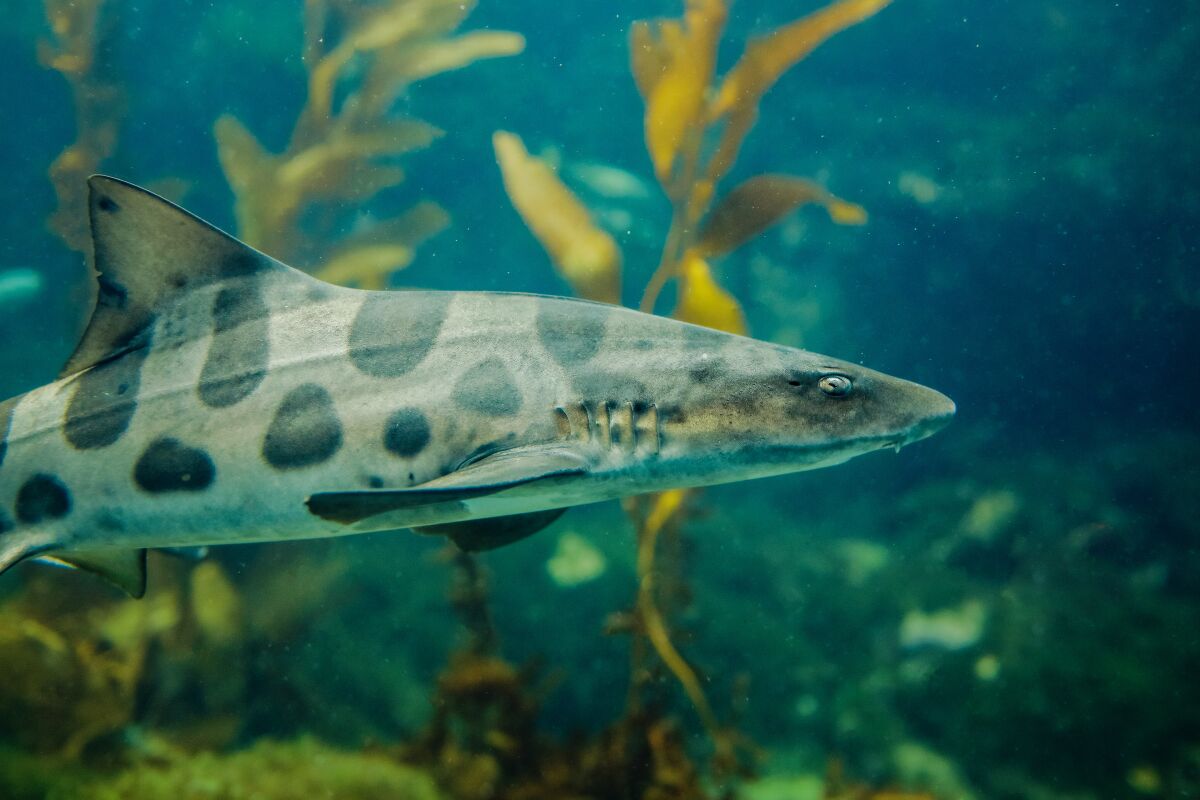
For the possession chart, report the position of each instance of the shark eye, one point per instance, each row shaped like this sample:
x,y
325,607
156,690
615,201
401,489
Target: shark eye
x,y
835,385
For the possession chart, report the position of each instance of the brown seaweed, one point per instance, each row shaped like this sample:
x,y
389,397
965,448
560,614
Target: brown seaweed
x,y
673,62
346,152
586,256
78,36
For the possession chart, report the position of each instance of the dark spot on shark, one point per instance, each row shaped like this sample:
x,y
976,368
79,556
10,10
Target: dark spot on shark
x,y
104,400
317,292
375,482
108,204
42,497
672,413
240,347
181,324
111,292
6,415
705,371
571,332
305,431
168,465
406,432
107,520
488,388
643,344
394,332
240,263
6,523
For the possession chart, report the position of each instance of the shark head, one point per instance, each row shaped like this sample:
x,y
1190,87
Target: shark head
x,y
761,409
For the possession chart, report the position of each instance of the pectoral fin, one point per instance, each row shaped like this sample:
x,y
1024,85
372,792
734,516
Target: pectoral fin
x,y
487,534
497,473
126,569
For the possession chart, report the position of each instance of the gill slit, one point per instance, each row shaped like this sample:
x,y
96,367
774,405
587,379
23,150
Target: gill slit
x,y
624,426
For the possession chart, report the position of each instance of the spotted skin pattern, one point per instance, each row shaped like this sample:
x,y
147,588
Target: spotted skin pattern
x,y
219,396
42,497
168,465
238,353
103,401
305,430
406,433
488,388
389,337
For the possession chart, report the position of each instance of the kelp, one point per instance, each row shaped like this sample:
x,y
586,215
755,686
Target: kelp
x,y
586,257
839,786
78,34
758,203
269,770
687,108
347,142
482,741
664,50
72,672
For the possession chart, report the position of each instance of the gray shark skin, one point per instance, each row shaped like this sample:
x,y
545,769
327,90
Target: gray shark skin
x,y
219,396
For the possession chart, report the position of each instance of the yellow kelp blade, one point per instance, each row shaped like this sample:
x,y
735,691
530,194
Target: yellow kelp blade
x,y
385,137
760,202
843,212
344,165
702,301
666,505
585,256
251,173
366,266
434,57
367,258
765,60
768,57
649,54
684,57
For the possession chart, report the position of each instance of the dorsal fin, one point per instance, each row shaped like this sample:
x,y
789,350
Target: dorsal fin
x,y
148,251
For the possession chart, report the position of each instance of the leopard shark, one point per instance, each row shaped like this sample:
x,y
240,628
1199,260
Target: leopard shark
x,y
219,396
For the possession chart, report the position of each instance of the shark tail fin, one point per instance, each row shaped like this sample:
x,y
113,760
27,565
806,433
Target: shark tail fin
x,y
148,252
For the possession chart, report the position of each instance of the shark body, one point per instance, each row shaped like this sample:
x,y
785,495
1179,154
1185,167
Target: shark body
x,y
219,396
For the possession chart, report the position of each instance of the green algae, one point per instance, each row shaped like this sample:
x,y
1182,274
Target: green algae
x,y
267,771
26,776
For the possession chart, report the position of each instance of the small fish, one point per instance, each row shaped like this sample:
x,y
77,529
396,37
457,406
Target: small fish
x,y
219,396
610,182
19,287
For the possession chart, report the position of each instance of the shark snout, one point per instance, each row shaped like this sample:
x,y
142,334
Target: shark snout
x,y
935,412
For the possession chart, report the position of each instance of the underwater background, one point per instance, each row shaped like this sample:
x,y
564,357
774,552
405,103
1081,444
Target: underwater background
x,y
998,200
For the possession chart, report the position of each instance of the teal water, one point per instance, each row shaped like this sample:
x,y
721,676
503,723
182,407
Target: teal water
x,y
1006,610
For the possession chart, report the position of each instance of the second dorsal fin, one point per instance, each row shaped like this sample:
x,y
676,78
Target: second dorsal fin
x,y
147,252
